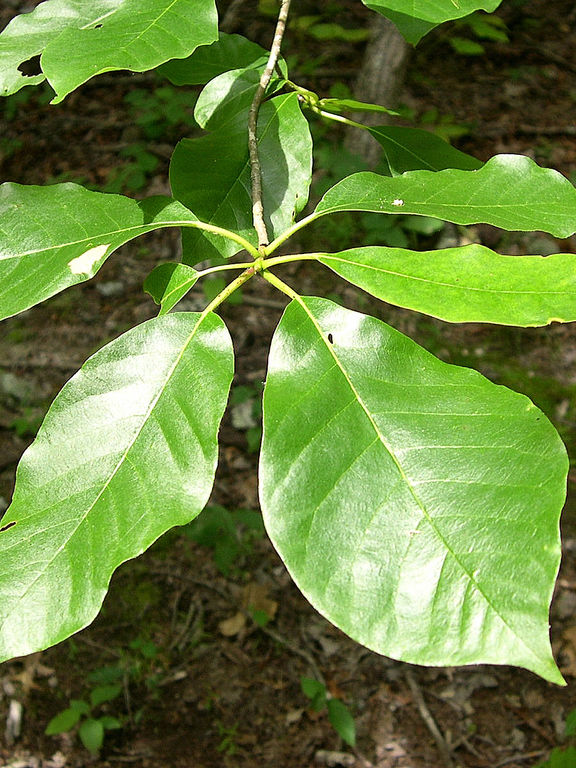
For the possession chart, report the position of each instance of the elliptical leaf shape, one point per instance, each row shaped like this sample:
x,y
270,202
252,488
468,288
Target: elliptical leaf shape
x,y
509,191
469,284
127,451
407,497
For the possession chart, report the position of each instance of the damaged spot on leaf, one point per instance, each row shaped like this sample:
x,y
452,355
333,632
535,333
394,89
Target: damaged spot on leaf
x,y
84,264
31,67
8,526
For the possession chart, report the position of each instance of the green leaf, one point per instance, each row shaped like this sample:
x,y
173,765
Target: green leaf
x,y
78,39
209,61
91,734
343,105
407,497
211,176
471,284
466,47
81,706
311,687
110,723
509,191
168,283
229,95
143,460
412,149
63,722
104,693
560,758
570,725
342,721
54,237
315,691
417,18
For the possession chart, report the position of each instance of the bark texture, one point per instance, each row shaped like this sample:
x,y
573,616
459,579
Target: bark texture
x,y
380,81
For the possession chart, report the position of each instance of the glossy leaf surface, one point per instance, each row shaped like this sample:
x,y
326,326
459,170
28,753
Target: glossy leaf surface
x,y
509,191
209,61
412,149
87,499
78,39
211,176
417,18
227,96
54,237
409,498
471,284
352,105
168,283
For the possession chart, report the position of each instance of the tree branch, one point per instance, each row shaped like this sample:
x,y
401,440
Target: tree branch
x,y
255,167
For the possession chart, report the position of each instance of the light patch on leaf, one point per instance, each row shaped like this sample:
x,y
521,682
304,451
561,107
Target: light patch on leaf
x,y
397,202
84,264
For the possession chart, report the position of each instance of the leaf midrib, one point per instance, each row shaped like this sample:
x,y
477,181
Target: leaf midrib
x,y
335,257
404,476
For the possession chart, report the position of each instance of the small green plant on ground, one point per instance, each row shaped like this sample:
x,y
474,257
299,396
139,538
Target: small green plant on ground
x,y
83,715
416,504
338,713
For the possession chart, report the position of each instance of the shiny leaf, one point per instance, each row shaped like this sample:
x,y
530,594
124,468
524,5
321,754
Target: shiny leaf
x,y
54,237
227,96
471,284
211,176
127,451
509,191
168,283
417,18
78,39
407,497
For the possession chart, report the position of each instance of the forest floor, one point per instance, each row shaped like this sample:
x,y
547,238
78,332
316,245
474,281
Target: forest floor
x,y
202,684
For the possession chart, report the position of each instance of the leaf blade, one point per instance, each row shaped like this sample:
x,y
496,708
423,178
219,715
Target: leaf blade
x,y
509,191
78,40
387,533
468,284
424,15
412,149
216,184
54,237
88,499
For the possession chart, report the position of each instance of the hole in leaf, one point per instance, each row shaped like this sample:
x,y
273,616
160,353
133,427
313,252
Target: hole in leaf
x,y
331,338
98,26
31,67
6,527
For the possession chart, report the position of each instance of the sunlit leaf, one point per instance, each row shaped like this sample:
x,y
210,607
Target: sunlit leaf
x,y
407,497
127,451
54,237
509,191
467,284
77,39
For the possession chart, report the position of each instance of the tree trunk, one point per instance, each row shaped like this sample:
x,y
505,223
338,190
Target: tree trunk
x,y
380,81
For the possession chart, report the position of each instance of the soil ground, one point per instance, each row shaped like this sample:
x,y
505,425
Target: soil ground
x,y
201,684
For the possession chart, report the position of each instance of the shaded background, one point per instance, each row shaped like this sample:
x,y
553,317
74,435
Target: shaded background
x,y
201,683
